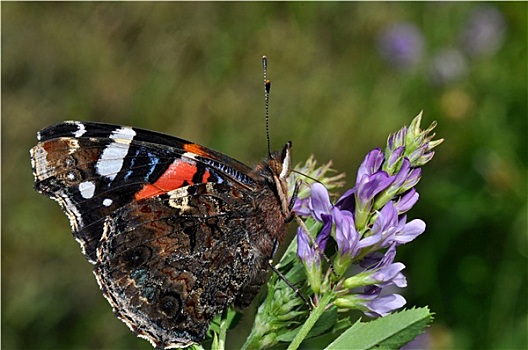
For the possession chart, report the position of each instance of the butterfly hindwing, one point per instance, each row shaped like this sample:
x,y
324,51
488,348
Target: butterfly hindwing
x,y
168,275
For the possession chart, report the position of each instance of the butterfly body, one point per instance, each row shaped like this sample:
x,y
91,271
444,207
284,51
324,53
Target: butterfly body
x,y
176,232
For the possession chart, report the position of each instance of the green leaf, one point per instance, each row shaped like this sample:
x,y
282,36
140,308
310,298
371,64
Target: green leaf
x,y
389,332
342,324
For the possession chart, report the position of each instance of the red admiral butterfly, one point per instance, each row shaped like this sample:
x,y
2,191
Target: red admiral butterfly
x,y
176,232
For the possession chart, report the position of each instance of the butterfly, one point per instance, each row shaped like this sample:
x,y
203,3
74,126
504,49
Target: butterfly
x,y
176,232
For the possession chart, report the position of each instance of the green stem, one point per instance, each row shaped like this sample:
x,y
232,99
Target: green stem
x,y
222,334
312,319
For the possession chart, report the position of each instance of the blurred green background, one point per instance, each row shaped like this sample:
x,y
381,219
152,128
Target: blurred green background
x,y
344,76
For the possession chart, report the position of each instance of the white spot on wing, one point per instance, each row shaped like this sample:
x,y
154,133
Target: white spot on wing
x,y
71,176
111,160
87,189
189,155
80,130
179,198
107,202
39,162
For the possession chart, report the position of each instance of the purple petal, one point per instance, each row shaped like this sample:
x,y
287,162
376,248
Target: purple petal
x,y
300,207
324,234
319,201
347,201
387,218
370,240
370,185
400,281
384,305
346,234
403,173
388,273
397,139
395,156
413,178
389,256
371,292
412,230
425,158
407,201
371,163
305,251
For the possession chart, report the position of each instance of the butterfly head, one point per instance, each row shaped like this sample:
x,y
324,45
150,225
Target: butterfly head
x,y
279,163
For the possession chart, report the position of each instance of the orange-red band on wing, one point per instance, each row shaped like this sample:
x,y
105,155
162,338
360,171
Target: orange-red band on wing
x,y
178,174
197,149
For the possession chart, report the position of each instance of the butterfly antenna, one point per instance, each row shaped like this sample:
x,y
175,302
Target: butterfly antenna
x,y
267,86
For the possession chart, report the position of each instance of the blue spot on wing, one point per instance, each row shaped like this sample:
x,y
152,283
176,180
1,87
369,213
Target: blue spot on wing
x,y
140,154
154,161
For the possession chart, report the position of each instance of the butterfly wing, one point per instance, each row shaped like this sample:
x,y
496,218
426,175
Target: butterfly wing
x,y
93,169
168,264
177,232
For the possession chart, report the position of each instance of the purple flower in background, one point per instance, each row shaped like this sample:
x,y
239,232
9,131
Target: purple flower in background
x,y
422,341
447,66
484,31
401,45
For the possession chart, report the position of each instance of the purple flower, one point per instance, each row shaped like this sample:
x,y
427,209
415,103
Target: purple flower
x,y
402,45
323,211
370,180
388,228
484,31
402,174
367,222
